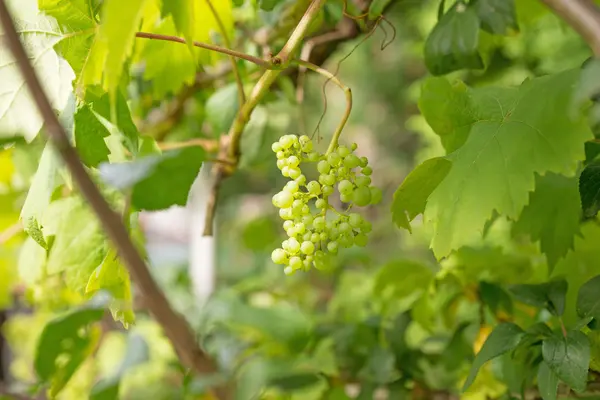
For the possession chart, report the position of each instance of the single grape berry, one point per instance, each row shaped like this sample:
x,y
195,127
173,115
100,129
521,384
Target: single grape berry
x,y
323,167
278,256
345,187
307,247
361,196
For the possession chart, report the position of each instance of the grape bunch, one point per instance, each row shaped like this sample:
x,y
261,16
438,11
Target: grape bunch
x,y
314,227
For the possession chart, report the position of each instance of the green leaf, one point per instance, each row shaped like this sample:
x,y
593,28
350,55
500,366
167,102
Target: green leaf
x,y
376,8
547,382
569,358
137,353
588,301
447,109
32,259
253,138
168,67
411,197
65,343
157,182
45,181
221,108
112,276
495,297
496,16
550,295
508,125
18,111
453,43
113,43
589,189
505,337
268,5
89,137
402,278
552,215
79,243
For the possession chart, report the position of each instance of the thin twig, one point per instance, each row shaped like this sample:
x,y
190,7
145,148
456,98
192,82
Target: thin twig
x,y
583,16
218,49
10,232
174,325
236,70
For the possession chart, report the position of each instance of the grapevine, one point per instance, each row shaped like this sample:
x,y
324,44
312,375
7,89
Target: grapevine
x,y
303,205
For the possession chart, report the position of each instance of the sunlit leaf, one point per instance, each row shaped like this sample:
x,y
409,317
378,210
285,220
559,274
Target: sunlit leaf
x,y
89,137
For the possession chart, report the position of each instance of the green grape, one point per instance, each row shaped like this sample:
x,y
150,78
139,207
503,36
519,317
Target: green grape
x,y
286,213
354,146
294,173
305,209
300,228
306,265
334,159
313,187
366,227
304,139
276,147
345,187
342,172
301,180
323,167
287,225
345,240
320,261
286,141
320,203
346,198
283,199
285,171
307,247
376,195
362,181
327,190
280,156
344,227
291,232
367,171
293,245
278,256
313,156
361,240
285,245
334,233
297,204
291,186
288,271
361,196
332,246
307,236
293,161
351,161
280,164
315,237
328,180
307,219
319,223
364,162
323,236
355,220
343,151
295,262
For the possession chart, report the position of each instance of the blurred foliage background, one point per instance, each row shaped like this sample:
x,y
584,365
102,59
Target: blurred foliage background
x,y
385,321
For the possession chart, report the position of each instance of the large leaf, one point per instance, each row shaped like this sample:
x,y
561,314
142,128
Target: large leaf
x,y
588,301
18,111
453,43
513,134
496,16
137,352
505,337
411,197
89,137
66,342
157,182
589,189
552,215
569,358
550,295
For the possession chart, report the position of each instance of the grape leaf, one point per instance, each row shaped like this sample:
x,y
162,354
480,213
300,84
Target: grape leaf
x,y
221,108
113,43
113,277
89,137
157,182
168,67
547,382
137,353
66,342
505,337
79,243
376,8
32,259
453,43
18,112
568,357
514,133
411,197
589,189
552,215
550,295
588,302
496,16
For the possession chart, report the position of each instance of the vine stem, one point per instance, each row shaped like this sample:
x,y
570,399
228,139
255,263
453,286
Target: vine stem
x,y
583,16
174,325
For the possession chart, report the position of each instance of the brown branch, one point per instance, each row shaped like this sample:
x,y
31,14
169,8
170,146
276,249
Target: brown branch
x,y
583,16
174,325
